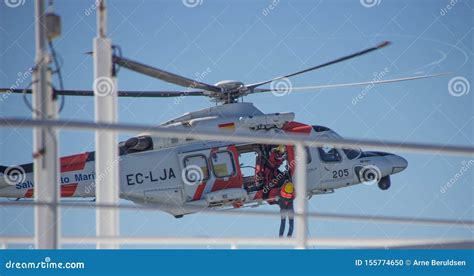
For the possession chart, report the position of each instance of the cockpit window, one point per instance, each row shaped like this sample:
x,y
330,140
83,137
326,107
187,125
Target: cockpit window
x,y
320,128
351,153
329,154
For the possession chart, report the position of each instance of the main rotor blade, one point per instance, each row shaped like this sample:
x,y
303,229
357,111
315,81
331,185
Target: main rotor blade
x,y
163,75
144,94
340,85
360,53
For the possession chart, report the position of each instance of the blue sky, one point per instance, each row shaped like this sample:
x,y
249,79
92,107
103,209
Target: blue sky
x,y
252,41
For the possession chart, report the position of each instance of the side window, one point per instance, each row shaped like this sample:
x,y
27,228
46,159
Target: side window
x,y
192,163
223,164
329,154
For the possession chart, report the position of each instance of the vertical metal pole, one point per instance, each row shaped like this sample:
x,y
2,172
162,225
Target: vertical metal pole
x,y
106,150
46,165
300,201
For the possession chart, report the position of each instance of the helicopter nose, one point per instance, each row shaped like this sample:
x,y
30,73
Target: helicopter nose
x,y
398,163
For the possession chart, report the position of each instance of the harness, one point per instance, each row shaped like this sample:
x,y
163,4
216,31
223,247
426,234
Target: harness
x,y
286,199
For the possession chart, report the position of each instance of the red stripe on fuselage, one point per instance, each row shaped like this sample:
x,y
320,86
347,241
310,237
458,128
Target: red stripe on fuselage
x,y
29,193
199,191
297,127
74,162
67,190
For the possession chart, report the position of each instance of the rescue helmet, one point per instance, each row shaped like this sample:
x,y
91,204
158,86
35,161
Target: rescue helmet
x,y
281,149
289,188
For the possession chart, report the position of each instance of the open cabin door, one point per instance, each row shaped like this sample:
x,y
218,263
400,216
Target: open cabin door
x,y
257,176
210,170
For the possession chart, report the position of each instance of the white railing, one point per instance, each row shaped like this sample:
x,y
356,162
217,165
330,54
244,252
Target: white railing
x,y
299,141
239,137
236,242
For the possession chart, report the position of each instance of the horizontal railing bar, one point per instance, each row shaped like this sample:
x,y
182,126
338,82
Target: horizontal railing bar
x,y
314,215
241,241
238,137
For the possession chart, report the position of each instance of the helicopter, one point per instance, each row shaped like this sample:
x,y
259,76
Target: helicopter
x,y
183,176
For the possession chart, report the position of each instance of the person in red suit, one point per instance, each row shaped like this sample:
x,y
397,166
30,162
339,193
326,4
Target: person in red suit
x,y
272,176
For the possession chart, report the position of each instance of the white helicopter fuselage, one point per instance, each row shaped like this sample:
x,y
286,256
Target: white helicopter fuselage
x,y
160,172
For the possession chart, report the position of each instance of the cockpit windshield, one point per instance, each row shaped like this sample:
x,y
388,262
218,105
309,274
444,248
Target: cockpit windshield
x,y
352,153
329,154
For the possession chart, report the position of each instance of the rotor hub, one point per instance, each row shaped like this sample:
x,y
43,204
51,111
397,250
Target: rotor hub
x,y
231,91
230,85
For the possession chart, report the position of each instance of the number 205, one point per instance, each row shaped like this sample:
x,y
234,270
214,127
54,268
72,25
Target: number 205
x,y
340,173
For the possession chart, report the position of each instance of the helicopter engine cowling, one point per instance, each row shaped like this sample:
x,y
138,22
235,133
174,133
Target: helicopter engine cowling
x,y
267,121
140,143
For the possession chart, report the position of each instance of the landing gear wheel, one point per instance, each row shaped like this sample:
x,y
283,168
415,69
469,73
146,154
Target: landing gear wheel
x,y
384,183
